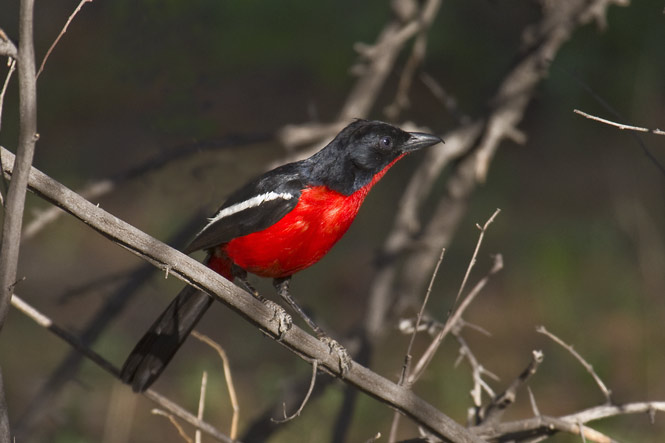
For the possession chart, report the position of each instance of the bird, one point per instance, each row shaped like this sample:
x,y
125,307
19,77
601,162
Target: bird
x,y
275,226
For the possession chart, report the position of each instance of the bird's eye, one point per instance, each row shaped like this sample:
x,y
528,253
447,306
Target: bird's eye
x,y
386,142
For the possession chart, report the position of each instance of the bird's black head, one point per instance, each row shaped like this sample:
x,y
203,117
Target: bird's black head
x,y
360,151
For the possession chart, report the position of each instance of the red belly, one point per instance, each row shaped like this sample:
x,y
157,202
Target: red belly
x,y
300,238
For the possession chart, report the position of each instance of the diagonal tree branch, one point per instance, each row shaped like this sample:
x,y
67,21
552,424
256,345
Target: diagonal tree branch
x,y
253,310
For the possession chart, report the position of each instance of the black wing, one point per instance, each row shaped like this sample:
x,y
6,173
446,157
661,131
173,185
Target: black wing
x,y
254,207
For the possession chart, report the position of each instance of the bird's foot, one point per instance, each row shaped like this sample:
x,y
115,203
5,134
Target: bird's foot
x,y
344,359
280,316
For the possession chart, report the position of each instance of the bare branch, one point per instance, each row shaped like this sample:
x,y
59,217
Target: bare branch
x,y
532,401
45,322
493,410
175,424
472,263
315,365
416,328
382,57
15,202
408,356
13,219
607,411
42,400
7,47
477,371
12,67
606,392
618,125
229,380
452,320
64,29
401,100
202,401
478,141
203,278
645,149
546,425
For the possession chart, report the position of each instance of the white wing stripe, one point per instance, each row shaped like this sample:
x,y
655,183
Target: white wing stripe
x,y
247,204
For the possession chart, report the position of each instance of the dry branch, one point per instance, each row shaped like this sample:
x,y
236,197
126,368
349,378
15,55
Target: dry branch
x,y
256,312
7,47
45,322
15,201
233,398
589,368
621,126
62,32
546,425
477,141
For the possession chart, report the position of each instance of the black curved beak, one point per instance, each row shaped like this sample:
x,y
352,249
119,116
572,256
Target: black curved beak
x,y
420,140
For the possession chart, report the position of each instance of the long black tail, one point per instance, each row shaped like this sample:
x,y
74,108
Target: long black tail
x,y
151,355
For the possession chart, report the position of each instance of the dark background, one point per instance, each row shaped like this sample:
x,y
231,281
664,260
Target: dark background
x,y
581,227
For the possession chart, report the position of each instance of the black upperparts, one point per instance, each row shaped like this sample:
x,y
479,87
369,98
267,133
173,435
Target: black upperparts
x,y
346,164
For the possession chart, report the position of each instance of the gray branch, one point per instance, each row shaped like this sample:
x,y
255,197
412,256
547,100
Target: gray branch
x,y
253,310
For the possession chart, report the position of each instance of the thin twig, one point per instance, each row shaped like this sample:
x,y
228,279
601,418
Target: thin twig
x,y
475,253
618,125
545,425
606,392
452,320
166,404
62,32
227,376
407,355
202,402
12,68
477,371
175,424
401,100
43,402
315,365
532,401
645,149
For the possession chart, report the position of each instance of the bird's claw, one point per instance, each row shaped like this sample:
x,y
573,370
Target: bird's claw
x,y
342,354
279,315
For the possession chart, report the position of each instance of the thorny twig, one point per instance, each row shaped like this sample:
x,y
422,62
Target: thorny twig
x,y
606,392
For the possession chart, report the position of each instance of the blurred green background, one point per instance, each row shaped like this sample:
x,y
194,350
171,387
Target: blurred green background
x,y
581,228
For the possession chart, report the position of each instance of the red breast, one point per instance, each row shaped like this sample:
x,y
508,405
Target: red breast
x,y
300,238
